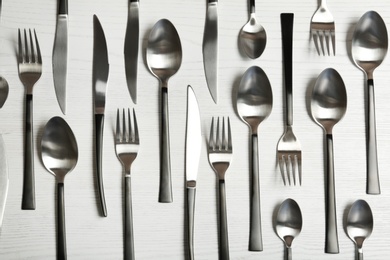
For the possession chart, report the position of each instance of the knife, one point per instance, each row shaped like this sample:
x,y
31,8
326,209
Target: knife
x,y
210,48
60,54
131,48
99,78
3,180
193,147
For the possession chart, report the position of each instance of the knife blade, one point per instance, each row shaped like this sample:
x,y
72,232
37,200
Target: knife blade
x,y
131,48
210,48
100,78
60,54
4,181
193,147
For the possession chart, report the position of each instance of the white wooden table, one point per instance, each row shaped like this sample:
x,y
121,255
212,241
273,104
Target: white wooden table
x,y
160,228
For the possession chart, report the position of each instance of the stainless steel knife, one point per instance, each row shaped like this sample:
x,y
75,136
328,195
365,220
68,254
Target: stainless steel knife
x,y
100,78
4,182
210,48
131,48
193,147
60,54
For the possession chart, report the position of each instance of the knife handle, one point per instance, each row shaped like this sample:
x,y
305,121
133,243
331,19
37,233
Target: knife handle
x,y
63,7
99,125
165,194
129,231
191,192
61,234
28,200
134,1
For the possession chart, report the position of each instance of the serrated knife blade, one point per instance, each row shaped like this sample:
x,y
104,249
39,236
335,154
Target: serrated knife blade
x,y
60,54
4,181
210,48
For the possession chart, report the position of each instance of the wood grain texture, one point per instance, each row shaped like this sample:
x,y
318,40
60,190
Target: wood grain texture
x,y
159,229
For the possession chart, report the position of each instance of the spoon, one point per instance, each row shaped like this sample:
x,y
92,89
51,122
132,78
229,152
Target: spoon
x,y
328,106
288,223
3,91
369,48
359,224
253,37
164,55
254,104
59,155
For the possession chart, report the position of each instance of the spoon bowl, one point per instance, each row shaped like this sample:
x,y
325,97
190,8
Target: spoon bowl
x,y
4,88
359,224
252,37
288,223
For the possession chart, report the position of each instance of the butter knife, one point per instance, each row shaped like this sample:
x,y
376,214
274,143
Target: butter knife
x,y
100,78
4,181
60,54
210,48
131,48
193,147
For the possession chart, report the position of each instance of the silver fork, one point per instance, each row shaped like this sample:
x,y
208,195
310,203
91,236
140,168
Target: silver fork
x,y
126,147
323,28
220,152
289,148
30,70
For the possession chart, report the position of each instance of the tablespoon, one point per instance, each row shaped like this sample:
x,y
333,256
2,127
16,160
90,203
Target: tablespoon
x,y
328,106
253,37
288,223
3,91
359,224
59,155
254,104
164,55
369,48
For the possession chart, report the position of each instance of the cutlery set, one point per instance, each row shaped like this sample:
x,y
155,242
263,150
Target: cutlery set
x,y
254,101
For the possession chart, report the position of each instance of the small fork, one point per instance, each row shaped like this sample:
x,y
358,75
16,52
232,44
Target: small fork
x,y
30,70
126,147
323,29
220,152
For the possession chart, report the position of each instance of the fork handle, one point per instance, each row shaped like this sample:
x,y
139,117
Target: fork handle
x,y
191,192
287,20
129,232
99,126
331,240
223,227
28,199
255,236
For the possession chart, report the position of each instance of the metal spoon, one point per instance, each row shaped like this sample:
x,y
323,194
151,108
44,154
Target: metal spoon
x,y
328,106
253,37
3,91
59,156
369,48
288,223
359,224
164,55
254,104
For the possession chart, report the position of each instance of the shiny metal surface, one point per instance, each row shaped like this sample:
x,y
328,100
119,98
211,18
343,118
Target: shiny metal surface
x,y
359,225
369,48
4,89
328,106
100,66
253,37
288,223
210,48
164,56
254,104
131,48
4,181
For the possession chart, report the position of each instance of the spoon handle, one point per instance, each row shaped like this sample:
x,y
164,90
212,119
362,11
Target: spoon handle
x,y
129,233
360,254
373,186
165,194
331,240
223,227
287,20
61,235
252,6
255,237
288,253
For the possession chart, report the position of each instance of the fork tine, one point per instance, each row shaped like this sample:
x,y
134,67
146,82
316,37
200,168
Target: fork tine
x,y
315,39
136,135
281,163
33,53
321,35
26,52
20,49
327,40
230,146
299,159
118,130
333,36
223,139
124,130
211,138
39,56
217,140
293,168
130,133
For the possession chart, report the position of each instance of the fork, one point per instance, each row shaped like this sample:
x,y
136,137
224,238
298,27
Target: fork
x,y
30,70
289,148
220,152
323,28
126,147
